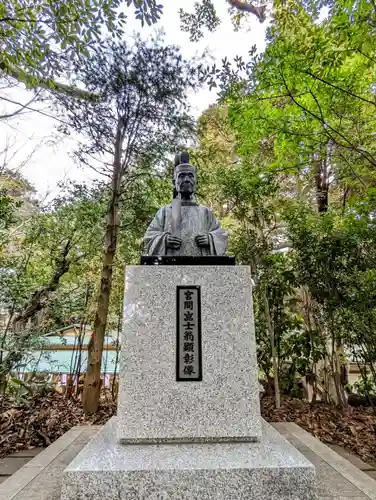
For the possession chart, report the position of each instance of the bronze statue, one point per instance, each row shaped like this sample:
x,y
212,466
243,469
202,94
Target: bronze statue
x,y
184,227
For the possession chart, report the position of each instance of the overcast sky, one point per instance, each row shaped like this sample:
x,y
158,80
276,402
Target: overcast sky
x,y
51,161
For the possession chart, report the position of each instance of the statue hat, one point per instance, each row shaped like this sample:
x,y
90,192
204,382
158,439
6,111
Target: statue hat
x,y
182,163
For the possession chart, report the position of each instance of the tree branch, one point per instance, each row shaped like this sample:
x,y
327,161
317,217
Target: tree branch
x,y
18,111
345,91
35,21
47,84
259,12
38,299
326,126
26,106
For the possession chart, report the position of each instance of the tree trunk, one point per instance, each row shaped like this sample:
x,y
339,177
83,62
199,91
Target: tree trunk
x,y
307,306
114,387
274,353
92,384
336,375
322,185
40,297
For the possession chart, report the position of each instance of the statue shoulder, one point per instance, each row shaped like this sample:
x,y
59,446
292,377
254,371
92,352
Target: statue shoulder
x,y
162,210
161,214
206,209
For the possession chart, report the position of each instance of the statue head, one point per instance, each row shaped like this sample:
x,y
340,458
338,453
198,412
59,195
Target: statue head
x,y
184,176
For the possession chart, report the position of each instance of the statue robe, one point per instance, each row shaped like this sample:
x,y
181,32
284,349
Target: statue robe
x,y
195,219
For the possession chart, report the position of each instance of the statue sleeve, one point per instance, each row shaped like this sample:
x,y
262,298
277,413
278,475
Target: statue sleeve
x,y
217,236
155,236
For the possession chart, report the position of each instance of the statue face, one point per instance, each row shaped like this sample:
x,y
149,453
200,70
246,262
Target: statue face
x,y
185,182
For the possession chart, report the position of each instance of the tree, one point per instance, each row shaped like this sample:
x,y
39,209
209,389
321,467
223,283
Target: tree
x,y
205,15
213,153
50,246
39,37
17,199
334,258
29,290
142,114
344,15
244,198
302,114
309,94
7,208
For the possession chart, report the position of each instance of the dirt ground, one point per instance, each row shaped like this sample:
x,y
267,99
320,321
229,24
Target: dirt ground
x,y
45,419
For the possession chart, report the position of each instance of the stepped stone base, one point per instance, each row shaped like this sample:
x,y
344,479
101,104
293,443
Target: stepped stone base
x,y
271,469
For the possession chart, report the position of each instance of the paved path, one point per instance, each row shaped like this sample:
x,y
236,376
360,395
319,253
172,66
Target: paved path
x,y
337,477
370,470
10,464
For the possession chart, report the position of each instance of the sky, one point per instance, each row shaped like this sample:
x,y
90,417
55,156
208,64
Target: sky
x,y
35,135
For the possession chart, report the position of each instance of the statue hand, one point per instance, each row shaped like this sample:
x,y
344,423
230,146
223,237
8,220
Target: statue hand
x,y
173,242
202,240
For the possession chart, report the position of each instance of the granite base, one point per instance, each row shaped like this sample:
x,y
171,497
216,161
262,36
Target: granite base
x,y
152,405
267,470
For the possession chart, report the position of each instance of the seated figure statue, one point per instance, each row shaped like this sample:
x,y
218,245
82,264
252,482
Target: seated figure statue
x,y
185,227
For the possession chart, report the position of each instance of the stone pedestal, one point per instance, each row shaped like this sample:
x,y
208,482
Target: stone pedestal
x,y
152,405
269,469
176,439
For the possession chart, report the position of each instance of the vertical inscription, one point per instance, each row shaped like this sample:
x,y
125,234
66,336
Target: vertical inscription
x,y
188,333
